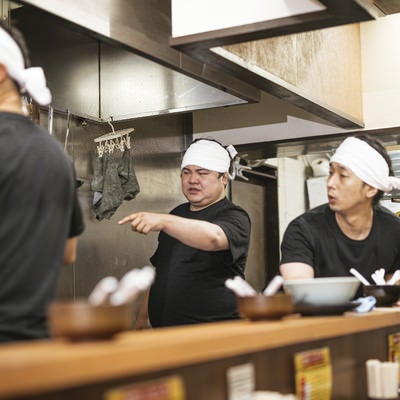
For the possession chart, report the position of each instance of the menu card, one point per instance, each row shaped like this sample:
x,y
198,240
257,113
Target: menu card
x,y
241,382
169,388
394,348
313,374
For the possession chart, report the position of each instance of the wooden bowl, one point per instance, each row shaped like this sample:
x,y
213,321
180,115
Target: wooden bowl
x,y
79,320
265,307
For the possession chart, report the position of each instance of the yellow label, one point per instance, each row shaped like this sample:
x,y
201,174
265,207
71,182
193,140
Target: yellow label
x,y
394,348
313,374
169,388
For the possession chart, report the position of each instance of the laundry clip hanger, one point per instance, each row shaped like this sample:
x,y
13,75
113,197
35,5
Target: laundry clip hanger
x,y
115,139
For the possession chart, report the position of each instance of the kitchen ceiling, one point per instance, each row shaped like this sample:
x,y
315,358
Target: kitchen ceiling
x,y
199,72
388,6
214,47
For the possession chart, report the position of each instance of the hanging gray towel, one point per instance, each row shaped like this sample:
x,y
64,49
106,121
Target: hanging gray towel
x,y
106,186
97,181
127,176
111,184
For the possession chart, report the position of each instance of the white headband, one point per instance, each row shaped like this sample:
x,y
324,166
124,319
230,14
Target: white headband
x,y
366,163
31,80
207,154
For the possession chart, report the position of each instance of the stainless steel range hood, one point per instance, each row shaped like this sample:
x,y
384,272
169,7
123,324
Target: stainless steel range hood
x,y
111,59
240,42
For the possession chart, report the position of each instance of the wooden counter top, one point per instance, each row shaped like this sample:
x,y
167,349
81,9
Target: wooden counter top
x,y
34,367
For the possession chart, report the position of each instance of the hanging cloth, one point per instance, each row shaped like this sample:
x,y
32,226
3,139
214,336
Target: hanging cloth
x,y
112,183
127,176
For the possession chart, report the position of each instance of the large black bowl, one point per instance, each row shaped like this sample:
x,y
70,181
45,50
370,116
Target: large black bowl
x,y
385,295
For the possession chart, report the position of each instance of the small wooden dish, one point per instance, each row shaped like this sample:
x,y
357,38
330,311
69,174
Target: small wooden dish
x,y
262,307
79,320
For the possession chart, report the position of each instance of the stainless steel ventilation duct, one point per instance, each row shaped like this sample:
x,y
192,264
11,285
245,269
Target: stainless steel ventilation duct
x,y
111,59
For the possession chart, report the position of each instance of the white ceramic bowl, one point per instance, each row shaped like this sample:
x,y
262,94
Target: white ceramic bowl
x,y
322,291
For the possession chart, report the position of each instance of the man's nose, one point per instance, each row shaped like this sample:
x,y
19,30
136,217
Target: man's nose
x,y
331,180
193,177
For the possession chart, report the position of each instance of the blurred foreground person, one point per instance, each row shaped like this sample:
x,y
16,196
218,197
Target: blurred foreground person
x,y
40,213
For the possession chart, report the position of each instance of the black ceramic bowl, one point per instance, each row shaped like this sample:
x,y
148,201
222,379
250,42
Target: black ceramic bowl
x,y
385,295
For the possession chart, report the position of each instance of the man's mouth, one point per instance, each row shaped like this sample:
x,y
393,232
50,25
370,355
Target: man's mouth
x,y
193,190
331,198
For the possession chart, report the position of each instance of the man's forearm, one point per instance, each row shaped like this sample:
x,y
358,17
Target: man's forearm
x,y
201,235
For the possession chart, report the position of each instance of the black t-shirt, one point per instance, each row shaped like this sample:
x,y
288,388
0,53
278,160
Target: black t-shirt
x,y
190,284
39,211
315,238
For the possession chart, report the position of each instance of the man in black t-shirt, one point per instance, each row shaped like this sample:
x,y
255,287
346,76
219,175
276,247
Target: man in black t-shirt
x,y
40,214
202,243
352,230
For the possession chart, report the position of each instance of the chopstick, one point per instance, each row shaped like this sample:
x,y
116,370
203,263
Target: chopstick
x,y
359,276
273,286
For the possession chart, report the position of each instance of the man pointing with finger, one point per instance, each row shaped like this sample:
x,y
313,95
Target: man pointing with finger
x,y
201,243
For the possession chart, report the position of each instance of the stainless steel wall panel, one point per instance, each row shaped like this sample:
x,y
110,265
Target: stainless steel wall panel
x,y
105,248
69,59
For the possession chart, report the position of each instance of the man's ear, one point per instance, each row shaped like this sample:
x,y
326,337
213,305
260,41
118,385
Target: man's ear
x,y
224,178
371,192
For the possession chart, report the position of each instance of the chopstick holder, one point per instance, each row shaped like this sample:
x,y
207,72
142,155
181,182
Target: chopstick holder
x,y
373,379
382,379
389,378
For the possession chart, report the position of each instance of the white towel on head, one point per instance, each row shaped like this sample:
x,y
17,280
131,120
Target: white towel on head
x,y
31,80
207,154
366,163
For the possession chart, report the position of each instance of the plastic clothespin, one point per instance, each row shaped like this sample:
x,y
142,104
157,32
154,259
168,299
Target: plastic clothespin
x,y
100,150
232,151
239,168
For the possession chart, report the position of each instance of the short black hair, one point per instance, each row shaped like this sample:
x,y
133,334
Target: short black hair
x,y
377,145
19,39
